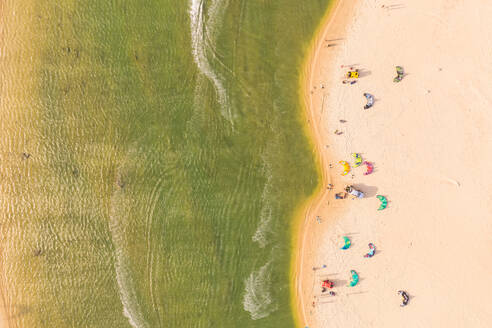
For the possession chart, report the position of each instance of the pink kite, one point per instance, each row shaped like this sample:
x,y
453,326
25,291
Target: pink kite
x,y
370,167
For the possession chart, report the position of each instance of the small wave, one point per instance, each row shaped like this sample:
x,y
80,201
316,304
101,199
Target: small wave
x,y
261,233
268,202
131,308
257,298
117,218
266,214
202,41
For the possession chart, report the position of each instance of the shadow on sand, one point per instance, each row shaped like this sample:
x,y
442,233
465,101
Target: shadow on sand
x,y
369,191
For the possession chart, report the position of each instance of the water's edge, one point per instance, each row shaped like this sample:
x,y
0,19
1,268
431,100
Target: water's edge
x,y
301,215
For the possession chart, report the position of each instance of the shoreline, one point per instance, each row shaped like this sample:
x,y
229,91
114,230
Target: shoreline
x,y
334,22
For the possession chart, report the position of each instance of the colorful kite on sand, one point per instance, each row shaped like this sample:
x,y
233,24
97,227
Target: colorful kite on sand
x,y
347,243
346,167
355,278
357,159
372,250
384,202
399,74
404,297
370,100
370,167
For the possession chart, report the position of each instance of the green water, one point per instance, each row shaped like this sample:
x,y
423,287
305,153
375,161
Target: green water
x,y
164,157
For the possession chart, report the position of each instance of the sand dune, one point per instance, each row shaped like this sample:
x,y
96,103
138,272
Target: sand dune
x,y
429,137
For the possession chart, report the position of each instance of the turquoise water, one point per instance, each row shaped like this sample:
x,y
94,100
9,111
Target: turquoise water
x,y
154,162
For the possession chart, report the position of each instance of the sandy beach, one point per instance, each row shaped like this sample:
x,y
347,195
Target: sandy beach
x,y
428,138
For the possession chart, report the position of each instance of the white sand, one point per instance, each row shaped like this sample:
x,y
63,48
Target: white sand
x,y
430,138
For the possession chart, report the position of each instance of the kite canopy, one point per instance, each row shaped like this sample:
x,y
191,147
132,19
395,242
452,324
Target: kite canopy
x,y
404,297
384,202
346,167
327,284
372,250
370,100
370,167
347,243
399,74
355,278
357,159
352,74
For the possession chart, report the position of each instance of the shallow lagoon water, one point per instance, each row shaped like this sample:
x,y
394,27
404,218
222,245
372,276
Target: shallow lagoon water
x,y
152,157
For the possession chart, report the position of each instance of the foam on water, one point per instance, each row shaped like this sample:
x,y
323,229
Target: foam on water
x,y
257,297
127,290
261,234
154,197
203,34
269,198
